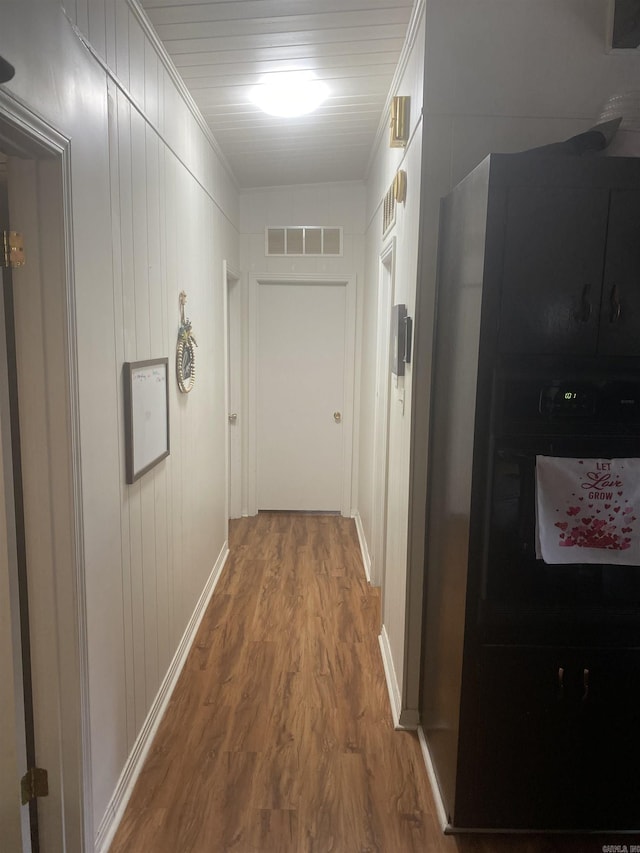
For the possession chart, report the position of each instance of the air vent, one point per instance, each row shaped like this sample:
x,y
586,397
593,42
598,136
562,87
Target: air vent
x,y
389,210
397,192
303,240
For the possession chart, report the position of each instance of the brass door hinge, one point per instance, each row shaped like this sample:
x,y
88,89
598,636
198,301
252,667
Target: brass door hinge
x,y
34,783
12,255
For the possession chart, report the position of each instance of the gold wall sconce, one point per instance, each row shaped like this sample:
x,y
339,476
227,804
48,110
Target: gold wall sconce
x,y
400,186
399,121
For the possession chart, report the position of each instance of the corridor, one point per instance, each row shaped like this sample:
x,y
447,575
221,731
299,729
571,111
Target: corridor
x,y
279,736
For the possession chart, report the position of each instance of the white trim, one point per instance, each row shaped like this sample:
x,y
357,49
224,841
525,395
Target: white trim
x,y
441,812
230,278
364,550
41,140
392,681
163,55
135,762
348,412
412,32
387,274
139,108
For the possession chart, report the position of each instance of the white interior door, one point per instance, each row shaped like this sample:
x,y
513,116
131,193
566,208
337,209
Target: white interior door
x,y
302,425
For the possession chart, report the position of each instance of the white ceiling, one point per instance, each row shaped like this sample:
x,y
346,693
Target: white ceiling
x,y
222,48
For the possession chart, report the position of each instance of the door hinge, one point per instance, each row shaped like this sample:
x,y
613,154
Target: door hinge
x,y
12,255
34,783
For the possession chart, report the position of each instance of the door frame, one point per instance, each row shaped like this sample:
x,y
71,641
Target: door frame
x,y
349,283
61,707
386,290
234,384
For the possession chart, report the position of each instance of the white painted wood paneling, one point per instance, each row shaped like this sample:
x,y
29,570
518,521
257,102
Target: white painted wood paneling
x,y
154,210
398,596
224,49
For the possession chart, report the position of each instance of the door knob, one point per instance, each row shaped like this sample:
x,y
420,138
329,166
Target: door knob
x,y
233,418
337,416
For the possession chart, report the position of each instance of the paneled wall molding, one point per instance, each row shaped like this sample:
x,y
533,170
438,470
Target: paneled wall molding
x,y
178,82
141,111
120,798
412,32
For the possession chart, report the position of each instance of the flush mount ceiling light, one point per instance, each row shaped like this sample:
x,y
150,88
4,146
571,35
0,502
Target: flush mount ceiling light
x,y
290,93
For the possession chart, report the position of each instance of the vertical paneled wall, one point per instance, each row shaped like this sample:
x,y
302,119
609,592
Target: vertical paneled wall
x,y
154,212
405,232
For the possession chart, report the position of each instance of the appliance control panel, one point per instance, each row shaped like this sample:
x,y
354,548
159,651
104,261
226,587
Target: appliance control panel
x,y
539,402
569,400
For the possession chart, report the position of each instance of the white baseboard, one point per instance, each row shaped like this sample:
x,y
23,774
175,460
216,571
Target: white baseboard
x,y
393,688
133,766
441,812
364,550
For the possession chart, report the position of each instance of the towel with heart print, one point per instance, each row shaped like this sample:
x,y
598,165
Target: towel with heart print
x,y
588,510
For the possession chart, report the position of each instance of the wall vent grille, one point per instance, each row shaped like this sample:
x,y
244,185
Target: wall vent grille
x,y
389,210
303,240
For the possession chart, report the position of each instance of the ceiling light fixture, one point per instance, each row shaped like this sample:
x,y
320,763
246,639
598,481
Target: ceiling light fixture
x,y
290,93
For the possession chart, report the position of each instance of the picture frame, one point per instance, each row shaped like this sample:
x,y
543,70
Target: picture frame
x,y
146,415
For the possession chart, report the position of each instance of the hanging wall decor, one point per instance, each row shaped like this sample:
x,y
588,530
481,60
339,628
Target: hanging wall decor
x,y
185,351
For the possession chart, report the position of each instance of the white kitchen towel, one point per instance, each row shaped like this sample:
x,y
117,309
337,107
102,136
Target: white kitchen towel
x,y
588,510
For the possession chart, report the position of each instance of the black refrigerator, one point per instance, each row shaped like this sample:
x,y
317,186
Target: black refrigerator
x,y
530,692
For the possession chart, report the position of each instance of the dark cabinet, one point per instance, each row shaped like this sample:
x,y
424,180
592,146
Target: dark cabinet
x,y
571,281
552,745
530,694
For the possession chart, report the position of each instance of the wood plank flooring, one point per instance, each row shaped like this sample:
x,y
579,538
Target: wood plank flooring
x,y
278,736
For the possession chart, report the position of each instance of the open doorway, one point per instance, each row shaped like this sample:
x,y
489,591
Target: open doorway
x,y
42,554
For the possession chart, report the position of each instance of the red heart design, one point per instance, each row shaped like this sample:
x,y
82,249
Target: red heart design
x,y
616,509
586,521
573,510
606,506
619,493
562,525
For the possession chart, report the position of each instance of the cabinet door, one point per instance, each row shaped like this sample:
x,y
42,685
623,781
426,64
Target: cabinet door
x,y
553,267
620,311
557,740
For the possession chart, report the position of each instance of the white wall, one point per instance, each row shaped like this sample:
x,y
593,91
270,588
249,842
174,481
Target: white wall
x,y
154,211
384,166
333,205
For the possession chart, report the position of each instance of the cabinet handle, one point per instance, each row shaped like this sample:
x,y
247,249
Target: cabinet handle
x,y
560,682
585,682
586,307
615,305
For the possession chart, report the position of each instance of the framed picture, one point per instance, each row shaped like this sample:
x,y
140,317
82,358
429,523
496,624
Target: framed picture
x,y
146,415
